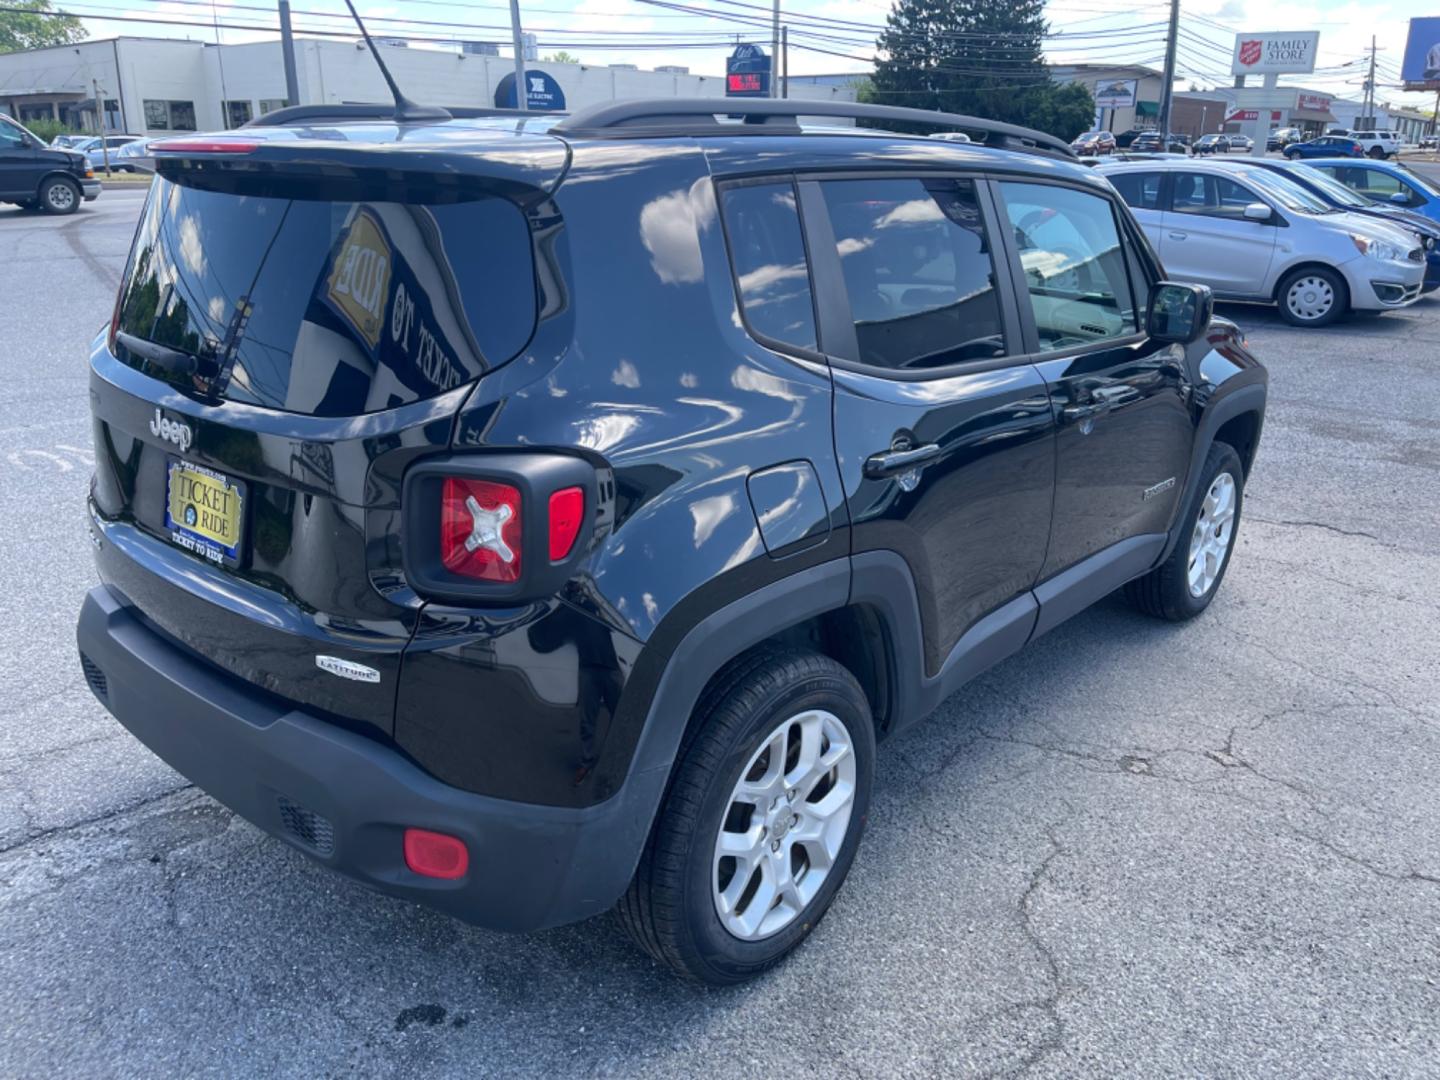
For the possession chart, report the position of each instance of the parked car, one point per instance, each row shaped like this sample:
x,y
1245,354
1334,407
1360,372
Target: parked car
x,y
34,175
1378,144
1125,138
1326,146
112,145
1282,138
1153,142
133,157
1240,143
670,506
1252,235
1429,142
1212,144
1341,197
66,142
1094,142
1388,182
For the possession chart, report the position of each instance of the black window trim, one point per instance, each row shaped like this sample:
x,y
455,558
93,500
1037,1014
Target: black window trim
x,y
835,320
784,348
1123,223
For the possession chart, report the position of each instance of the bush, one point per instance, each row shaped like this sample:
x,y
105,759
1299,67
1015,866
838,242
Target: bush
x,y
46,130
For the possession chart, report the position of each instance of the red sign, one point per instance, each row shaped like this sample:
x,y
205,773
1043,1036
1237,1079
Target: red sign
x,y
744,84
1249,114
1314,102
1250,52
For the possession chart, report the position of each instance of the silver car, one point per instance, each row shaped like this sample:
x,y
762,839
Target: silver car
x,y
1253,235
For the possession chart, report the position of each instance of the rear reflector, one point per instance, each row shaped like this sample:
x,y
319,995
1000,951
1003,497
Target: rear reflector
x,y
433,854
204,146
480,529
567,509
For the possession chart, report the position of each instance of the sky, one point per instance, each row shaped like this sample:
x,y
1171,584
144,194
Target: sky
x,y
825,35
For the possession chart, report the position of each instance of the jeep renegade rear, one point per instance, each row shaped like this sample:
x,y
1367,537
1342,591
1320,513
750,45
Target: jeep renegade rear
x,y
524,518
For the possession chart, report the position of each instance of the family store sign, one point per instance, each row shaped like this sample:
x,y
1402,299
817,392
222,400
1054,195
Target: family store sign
x,y
1275,54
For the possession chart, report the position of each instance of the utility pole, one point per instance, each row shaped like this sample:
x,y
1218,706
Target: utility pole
x,y
287,52
775,52
1171,44
522,94
1370,89
100,124
785,61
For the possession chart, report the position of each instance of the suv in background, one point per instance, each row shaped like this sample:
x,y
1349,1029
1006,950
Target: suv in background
x,y
35,175
1282,138
1253,235
1379,145
589,564
1212,144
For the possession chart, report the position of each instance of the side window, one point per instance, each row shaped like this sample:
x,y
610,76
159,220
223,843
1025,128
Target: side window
x,y
11,136
1074,264
1212,196
918,270
1140,190
768,253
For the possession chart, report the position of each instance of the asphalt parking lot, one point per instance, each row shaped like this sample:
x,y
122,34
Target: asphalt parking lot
x,y
1134,849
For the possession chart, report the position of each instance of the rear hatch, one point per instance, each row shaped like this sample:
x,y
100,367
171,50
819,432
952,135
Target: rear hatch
x,y
301,316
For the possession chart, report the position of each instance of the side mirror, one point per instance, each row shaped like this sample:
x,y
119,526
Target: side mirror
x,y
1400,199
1257,211
1179,313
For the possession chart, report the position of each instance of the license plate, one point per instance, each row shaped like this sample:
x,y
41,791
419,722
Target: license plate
x,y
205,511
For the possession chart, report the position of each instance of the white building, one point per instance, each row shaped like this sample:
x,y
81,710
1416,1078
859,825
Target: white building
x,y
154,85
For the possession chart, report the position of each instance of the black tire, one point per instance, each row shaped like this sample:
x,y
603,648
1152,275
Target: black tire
x,y
1165,591
670,908
1377,153
59,196
1339,304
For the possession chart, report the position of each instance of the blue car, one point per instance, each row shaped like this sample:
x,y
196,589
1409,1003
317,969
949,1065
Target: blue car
x,y
1327,146
1388,183
1322,184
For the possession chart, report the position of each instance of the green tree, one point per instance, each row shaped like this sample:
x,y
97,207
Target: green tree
x,y
561,57
976,57
22,26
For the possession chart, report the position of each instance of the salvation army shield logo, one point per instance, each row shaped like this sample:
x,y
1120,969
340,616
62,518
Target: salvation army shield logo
x,y
1250,52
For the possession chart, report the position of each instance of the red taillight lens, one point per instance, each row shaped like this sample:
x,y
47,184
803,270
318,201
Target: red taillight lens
x,y
205,146
433,854
567,510
480,529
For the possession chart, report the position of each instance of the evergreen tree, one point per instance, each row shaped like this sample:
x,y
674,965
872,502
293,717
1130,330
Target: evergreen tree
x,y
979,57
22,28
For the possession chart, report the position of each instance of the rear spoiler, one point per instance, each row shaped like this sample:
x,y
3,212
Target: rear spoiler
x,y
364,110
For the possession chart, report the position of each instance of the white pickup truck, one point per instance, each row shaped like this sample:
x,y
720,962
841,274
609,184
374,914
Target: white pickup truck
x,y
1377,144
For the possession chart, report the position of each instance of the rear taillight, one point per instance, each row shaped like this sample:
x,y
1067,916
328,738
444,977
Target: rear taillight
x,y
480,529
205,146
567,512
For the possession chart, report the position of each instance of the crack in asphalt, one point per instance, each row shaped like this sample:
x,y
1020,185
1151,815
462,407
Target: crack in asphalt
x,y
1320,525
97,819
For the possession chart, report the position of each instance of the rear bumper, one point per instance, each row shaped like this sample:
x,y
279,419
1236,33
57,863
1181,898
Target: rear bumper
x,y
345,800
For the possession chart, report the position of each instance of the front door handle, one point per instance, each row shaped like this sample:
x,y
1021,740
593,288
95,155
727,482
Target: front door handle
x,y
1178,235
900,460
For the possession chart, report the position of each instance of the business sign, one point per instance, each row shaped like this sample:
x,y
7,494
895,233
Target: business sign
x,y
542,93
1313,102
747,72
1116,93
1241,115
1420,69
1275,54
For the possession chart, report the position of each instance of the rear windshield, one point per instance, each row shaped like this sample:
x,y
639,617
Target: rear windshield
x,y
327,308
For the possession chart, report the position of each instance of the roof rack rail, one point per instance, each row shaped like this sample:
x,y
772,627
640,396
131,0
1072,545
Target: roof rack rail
x,y
650,118
358,110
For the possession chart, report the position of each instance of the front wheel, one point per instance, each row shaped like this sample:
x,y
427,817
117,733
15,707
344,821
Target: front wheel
x,y
761,822
1312,296
1184,584
59,196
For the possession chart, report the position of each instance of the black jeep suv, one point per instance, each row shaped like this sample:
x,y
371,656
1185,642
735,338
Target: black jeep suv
x,y
525,516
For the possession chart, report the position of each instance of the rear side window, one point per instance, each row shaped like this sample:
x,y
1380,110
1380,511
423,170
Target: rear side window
x,y
1140,190
768,253
918,270
329,308
1074,263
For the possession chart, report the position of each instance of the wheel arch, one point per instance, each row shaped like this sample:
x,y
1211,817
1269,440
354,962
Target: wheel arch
x,y
1309,264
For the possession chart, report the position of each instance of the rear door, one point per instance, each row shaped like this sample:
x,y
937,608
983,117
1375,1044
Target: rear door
x,y
943,434
1124,436
1205,236
277,359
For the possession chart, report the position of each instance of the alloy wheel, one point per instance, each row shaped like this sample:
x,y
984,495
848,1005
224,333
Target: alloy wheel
x,y
784,825
1210,540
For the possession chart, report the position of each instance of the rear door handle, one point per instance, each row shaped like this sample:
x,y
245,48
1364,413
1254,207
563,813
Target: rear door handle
x,y
898,461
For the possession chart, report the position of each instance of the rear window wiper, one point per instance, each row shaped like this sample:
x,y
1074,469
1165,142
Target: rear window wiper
x,y
171,361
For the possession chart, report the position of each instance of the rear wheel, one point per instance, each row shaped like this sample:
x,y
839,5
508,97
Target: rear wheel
x,y
1184,584
1312,296
1377,152
59,195
761,822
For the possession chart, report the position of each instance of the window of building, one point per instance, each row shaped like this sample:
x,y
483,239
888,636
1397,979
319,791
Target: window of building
x,y
269,105
238,113
1074,264
169,115
768,253
918,270
1139,190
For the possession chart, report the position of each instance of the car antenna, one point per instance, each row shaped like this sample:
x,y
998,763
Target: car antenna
x,y
406,111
